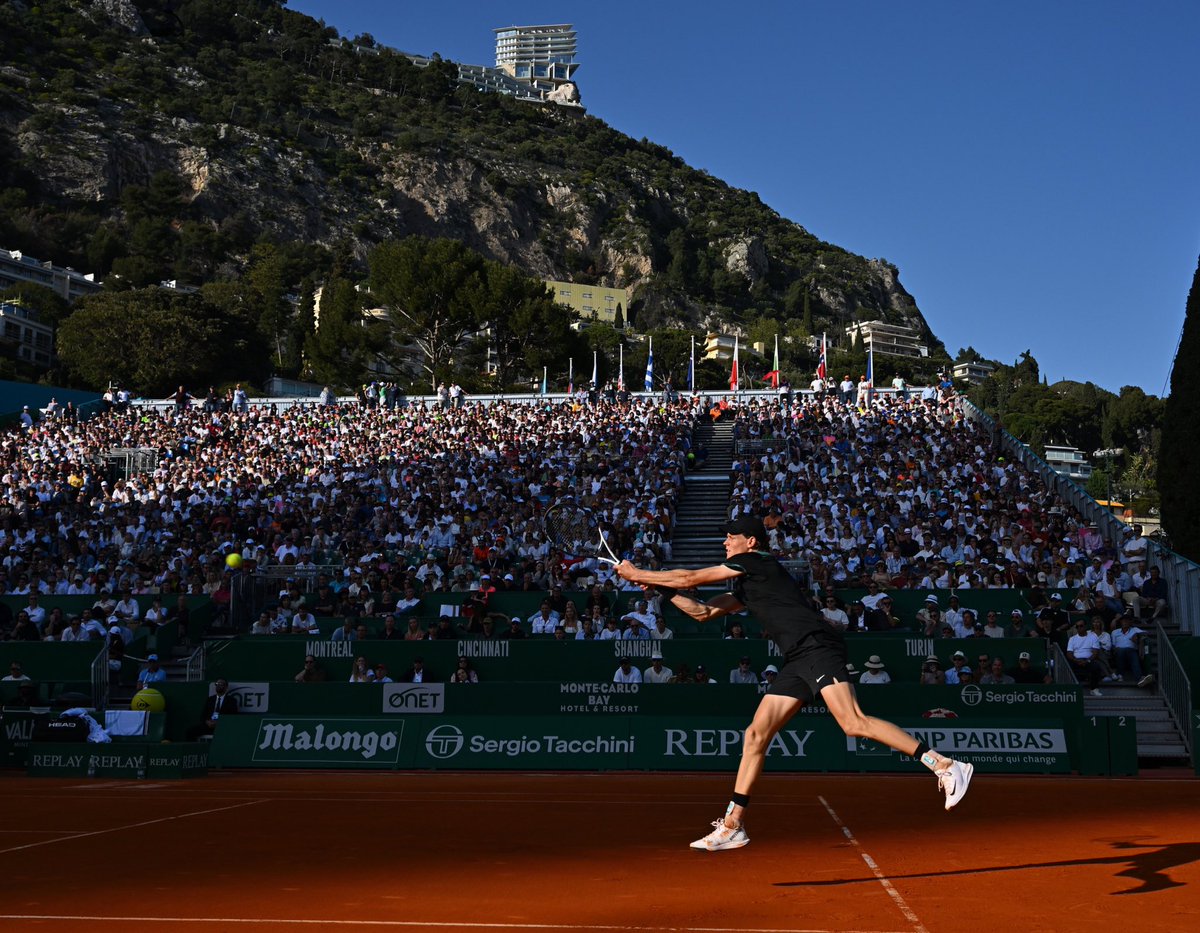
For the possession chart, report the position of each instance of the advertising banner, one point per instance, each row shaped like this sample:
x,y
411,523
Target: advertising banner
x,y
559,743
414,698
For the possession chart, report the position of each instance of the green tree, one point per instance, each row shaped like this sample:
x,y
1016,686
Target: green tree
x,y
50,307
434,294
150,340
529,330
338,351
1179,457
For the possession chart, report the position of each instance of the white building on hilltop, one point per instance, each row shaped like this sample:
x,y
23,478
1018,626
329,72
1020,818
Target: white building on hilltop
x,y
890,339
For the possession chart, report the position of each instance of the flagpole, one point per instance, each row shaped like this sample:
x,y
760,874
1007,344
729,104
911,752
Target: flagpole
x,y
596,369
621,369
648,383
543,380
571,376
692,368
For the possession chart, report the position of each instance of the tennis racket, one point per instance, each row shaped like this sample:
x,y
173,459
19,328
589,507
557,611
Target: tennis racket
x,y
575,530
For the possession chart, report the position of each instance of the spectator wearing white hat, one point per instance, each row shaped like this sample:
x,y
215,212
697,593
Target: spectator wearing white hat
x,y
657,672
957,664
875,672
770,672
1025,672
931,672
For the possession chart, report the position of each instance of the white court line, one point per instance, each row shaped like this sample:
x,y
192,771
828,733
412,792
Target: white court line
x,y
435,924
887,885
117,829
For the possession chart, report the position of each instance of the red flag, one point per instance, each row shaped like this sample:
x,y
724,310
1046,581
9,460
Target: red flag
x,y
821,364
733,375
772,377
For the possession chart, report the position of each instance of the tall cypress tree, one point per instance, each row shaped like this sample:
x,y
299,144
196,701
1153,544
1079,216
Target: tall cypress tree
x,y
1179,455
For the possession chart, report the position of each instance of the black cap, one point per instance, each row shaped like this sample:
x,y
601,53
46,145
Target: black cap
x,y
749,525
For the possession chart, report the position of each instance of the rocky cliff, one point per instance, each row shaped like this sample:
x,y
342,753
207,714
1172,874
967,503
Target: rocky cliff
x,y
271,125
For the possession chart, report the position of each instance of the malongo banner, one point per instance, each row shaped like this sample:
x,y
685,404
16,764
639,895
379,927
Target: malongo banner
x,y
652,743
321,742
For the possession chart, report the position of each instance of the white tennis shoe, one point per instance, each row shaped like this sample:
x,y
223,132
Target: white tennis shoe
x,y
722,837
954,780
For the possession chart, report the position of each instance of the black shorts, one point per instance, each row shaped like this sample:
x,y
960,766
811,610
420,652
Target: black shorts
x,y
814,668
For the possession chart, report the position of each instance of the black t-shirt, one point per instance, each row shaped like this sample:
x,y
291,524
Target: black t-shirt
x,y
788,616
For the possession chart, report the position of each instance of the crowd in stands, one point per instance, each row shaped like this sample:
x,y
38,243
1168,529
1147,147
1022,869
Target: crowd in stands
x,y
384,502
392,501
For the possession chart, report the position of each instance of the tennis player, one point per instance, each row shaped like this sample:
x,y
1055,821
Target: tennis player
x,y
814,665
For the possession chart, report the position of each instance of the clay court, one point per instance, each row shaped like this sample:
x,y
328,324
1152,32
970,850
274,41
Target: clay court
x,y
275,851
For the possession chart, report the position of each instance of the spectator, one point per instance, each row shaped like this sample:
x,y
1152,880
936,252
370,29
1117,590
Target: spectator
x,y
464,673
514,631
992,627
700,675
957,663
418,673
346,632
15,673
151,674
770,672
875,672
1127,651
996,674
742,674
545,620
1080,648
931,672
657,672
1154,594
361,672
1026,673
311,673
626,673
381,674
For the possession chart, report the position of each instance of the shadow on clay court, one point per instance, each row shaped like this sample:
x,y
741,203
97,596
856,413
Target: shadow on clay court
x,y
1149,867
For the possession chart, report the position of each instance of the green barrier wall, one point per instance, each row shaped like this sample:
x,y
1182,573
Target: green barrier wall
x,y
280,657
621,743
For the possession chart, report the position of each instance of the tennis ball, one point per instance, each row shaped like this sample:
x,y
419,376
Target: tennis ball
x,y
233,561
148,700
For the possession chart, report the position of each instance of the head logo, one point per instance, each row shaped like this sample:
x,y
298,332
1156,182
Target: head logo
x,y
444,741
971,695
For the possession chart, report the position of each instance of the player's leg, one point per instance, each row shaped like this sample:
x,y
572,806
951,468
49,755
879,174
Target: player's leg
x,y
953,776
772,714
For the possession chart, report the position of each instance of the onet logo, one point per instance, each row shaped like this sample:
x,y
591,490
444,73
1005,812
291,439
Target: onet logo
x,y
971,695
444,741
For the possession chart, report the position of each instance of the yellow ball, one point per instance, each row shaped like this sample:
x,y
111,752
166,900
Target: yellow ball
x,y
149,700
233,561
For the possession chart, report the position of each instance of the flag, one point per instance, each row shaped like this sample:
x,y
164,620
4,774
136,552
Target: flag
x,y
772,377
571,376
733,373
543,380
621,370
776,366
596,369
692,367
821,368
649,385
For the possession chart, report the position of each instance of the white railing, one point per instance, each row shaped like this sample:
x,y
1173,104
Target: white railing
x,y
1175,686
100,678
195,665
1060,665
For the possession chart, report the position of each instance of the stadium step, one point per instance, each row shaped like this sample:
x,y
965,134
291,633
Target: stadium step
x,y
1158,734
704,501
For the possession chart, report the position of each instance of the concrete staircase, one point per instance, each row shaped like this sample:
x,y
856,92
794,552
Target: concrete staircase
x,y
1158,735
704,502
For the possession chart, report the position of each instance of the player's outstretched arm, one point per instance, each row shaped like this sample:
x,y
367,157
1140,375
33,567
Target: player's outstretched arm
x,y
676,579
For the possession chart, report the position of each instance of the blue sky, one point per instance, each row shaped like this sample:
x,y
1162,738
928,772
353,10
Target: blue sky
x,y
1031,168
